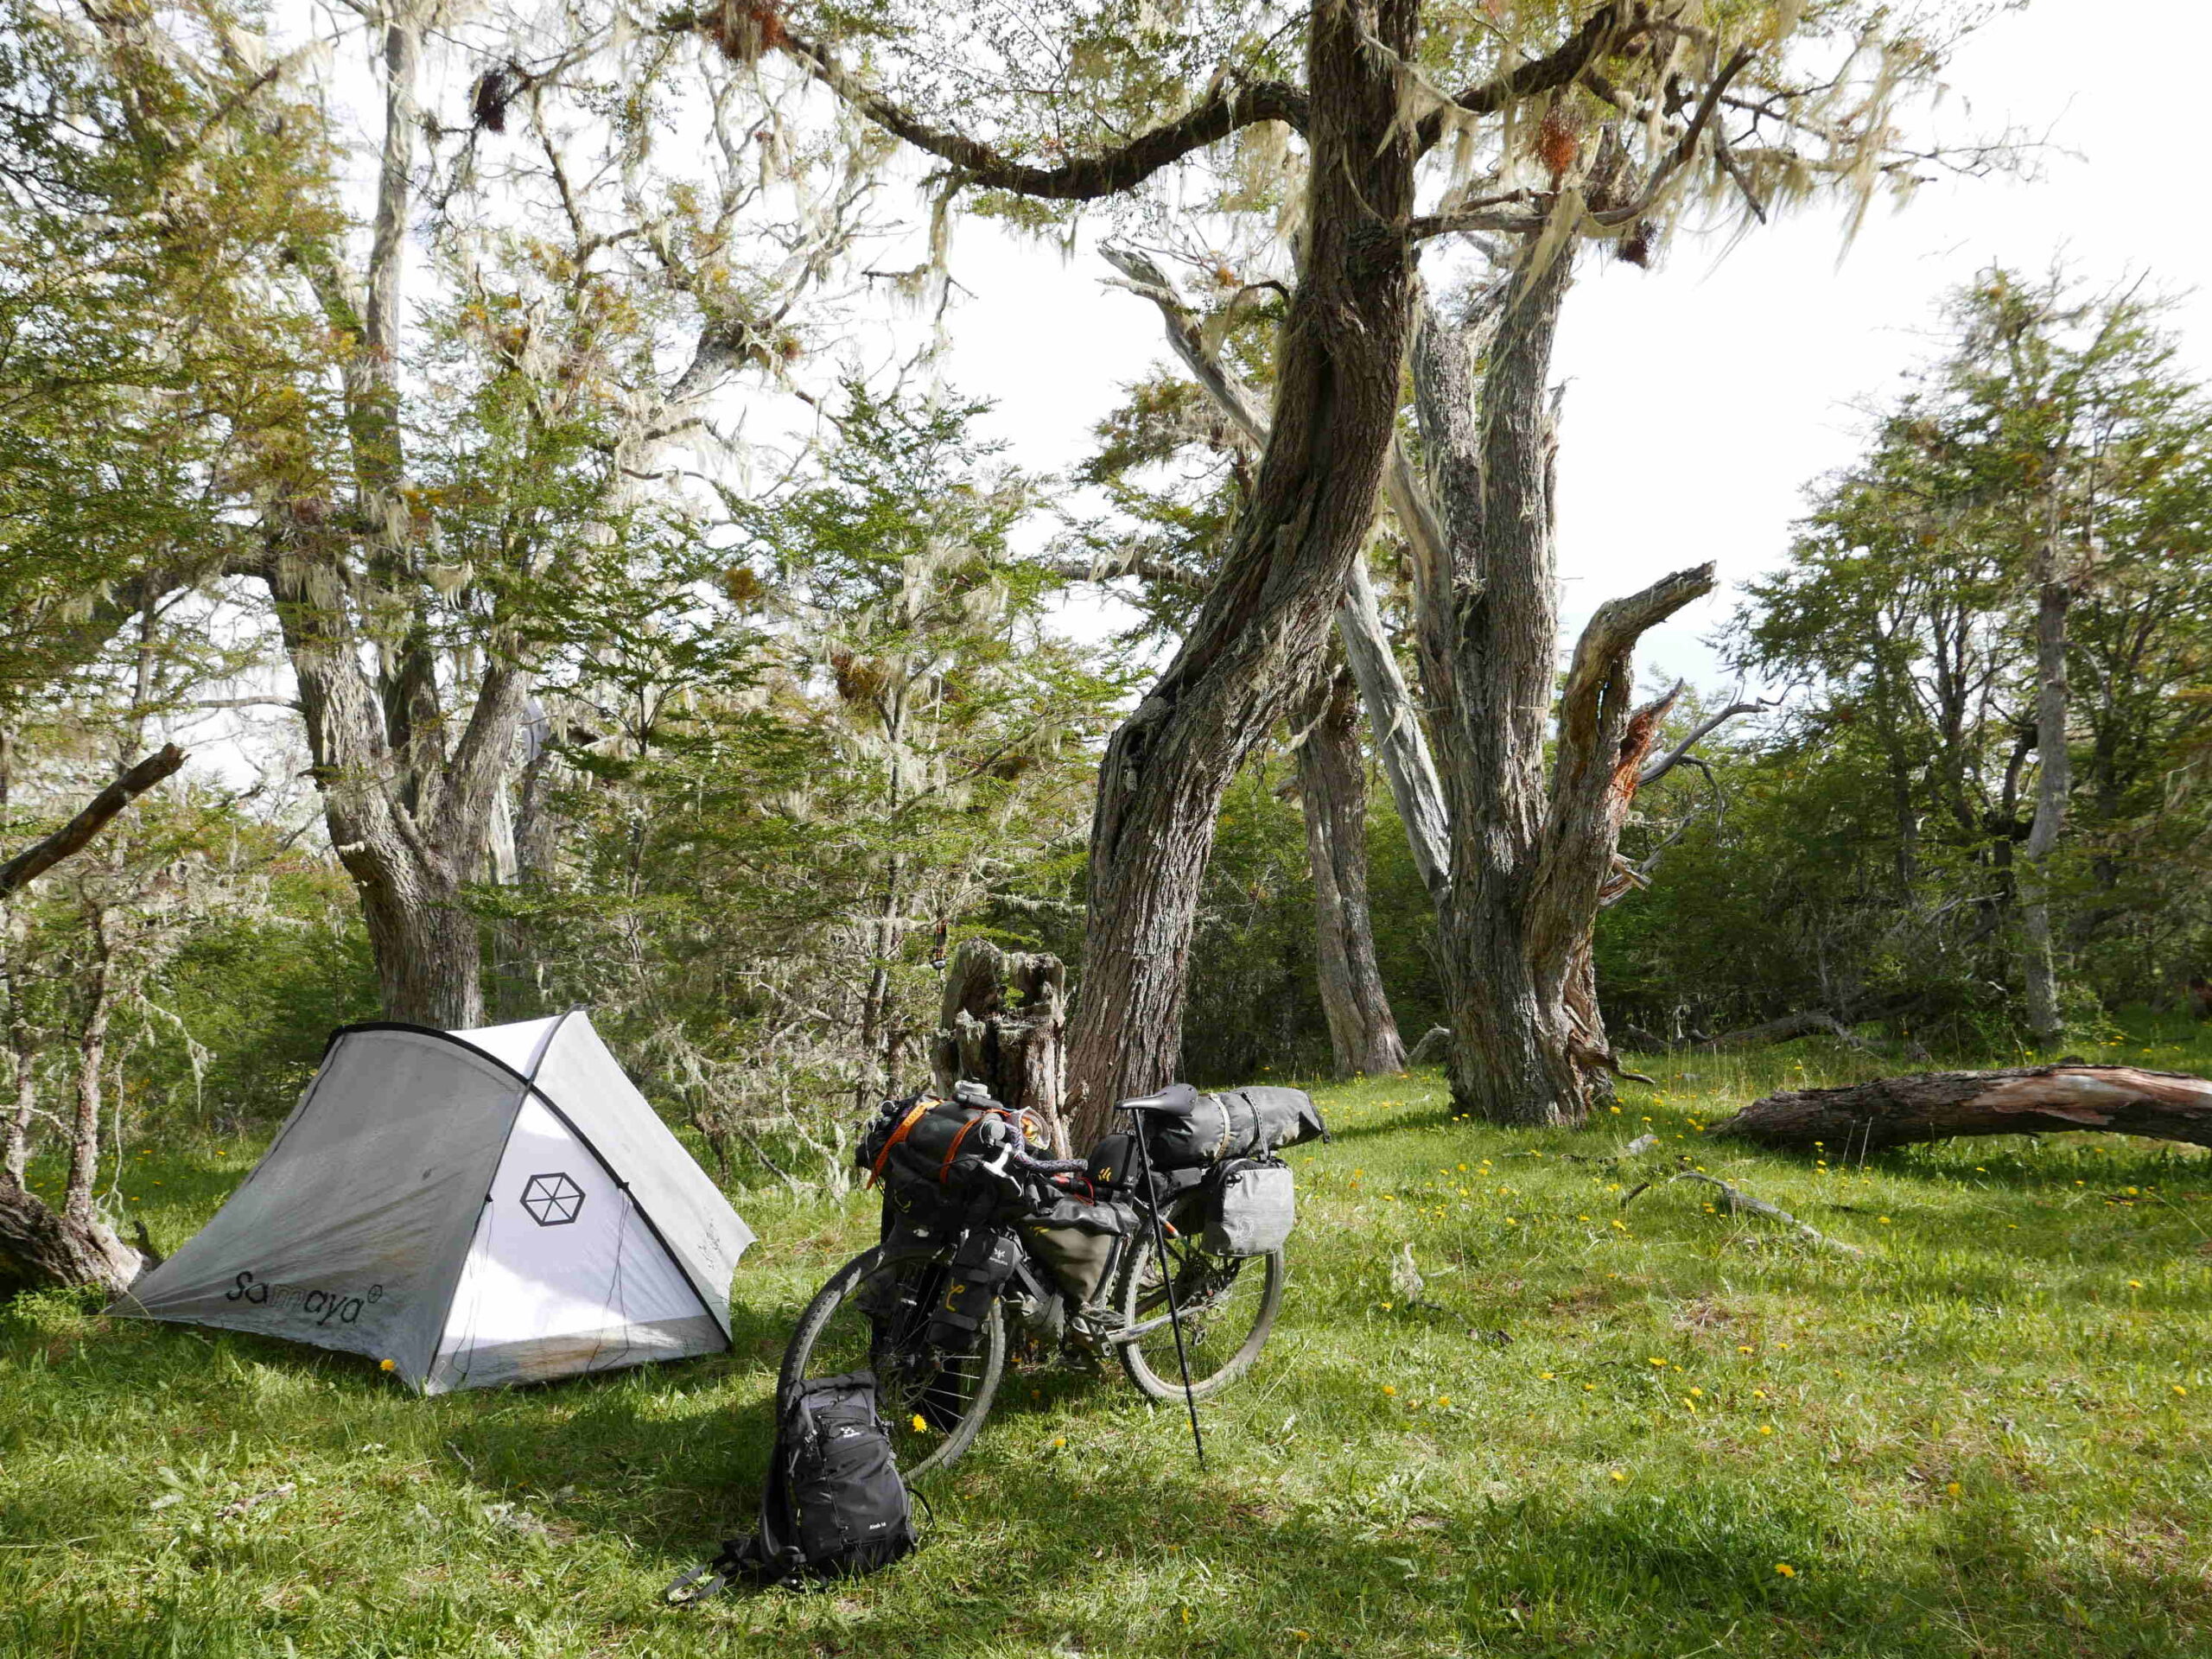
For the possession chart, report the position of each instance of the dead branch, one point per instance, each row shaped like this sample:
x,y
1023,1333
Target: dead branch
x,y
1656,769
37,858
1740,1201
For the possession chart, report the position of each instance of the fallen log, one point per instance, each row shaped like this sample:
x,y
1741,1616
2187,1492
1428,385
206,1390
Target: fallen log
x,y
1937,1105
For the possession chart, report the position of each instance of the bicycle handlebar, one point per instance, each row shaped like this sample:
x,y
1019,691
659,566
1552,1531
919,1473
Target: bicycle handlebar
x,y
1048,1165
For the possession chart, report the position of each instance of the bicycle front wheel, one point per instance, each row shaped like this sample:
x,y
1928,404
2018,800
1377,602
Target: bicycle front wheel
x,y
1227,1304
873,1315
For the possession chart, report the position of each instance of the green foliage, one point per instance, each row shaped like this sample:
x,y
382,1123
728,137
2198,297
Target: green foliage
x,y
1865,860
817,777
138,212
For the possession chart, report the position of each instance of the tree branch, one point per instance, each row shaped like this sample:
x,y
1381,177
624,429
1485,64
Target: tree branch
x,y
1654,770
1170,571
35,860
1226,109
1604,30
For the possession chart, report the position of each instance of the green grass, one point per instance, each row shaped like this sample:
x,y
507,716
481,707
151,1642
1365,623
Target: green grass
x,y
1974,1440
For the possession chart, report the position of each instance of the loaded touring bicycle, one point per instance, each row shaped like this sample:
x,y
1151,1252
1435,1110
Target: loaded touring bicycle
x,y
1163,1248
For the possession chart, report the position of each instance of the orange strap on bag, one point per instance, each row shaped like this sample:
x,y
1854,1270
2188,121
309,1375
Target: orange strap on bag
x,y
953,1151
906,1125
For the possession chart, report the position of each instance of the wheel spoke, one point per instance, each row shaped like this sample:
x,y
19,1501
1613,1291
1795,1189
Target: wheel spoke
x,y
932,1397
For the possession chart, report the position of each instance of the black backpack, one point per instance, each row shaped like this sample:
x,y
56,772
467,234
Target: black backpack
x,y
834,1506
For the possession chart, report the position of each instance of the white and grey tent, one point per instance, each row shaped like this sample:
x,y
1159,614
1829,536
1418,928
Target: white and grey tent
x,y
478,1207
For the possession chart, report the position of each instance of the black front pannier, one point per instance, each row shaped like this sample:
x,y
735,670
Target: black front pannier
x,y
1237,1123
982,1264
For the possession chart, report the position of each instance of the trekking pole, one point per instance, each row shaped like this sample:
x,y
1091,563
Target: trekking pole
x,y
1168,1279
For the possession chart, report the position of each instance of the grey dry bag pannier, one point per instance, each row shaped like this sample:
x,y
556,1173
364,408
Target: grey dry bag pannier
x,y
1251,1208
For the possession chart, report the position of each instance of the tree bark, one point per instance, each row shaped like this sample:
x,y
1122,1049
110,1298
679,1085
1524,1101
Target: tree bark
x,y
1332,789
1001,1024
92,1061
1487,624
1166,769
1391,715
71,1246
1531,866
1400,742
1937,1105
41,1248
2054,777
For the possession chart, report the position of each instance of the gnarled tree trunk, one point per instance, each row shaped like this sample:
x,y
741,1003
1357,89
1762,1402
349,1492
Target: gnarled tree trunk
x,y
1391,715
1332,789
1165,772
1531,866
71,1246
40,1247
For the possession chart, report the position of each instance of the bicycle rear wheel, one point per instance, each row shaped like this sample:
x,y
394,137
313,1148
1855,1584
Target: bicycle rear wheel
x,y
871,1316
1228,1304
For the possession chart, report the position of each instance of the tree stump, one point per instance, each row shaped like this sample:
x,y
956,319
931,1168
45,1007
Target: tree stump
x,y
1937,1105
1001,1024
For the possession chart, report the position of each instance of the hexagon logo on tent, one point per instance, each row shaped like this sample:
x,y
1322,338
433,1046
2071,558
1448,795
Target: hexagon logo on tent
x,y
552,1200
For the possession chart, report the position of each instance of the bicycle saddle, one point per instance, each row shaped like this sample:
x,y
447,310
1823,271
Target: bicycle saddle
x,y
1176,1100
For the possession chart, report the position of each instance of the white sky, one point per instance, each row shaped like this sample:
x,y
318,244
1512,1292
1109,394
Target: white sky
x,y
1703,398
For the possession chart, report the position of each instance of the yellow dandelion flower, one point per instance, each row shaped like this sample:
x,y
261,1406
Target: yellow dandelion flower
x,y
1953,1489
920,1423
1618,1475
1655,1360
387,1365
1785,1569
1766,1428
1388,1389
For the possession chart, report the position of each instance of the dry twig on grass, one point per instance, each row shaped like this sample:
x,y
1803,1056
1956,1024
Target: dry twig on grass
x,y
1739,1200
